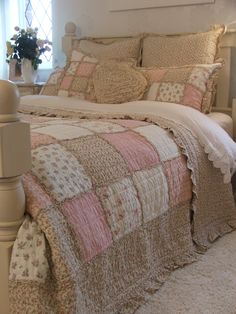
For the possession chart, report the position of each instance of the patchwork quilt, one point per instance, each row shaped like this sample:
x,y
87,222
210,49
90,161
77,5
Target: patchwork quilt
x,y
113,206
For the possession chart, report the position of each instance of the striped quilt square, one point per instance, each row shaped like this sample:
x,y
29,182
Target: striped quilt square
x,y
59,171
122,207
135,149
161,140
86,218
101,161
153,192
179,180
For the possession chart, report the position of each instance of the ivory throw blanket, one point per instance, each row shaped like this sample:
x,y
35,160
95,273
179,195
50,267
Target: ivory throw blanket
x,y
115,205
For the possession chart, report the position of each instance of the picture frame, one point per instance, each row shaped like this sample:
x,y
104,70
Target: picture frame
x,y
123,5
15,71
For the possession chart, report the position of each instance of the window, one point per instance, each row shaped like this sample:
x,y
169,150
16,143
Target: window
x,y
25,13
38,13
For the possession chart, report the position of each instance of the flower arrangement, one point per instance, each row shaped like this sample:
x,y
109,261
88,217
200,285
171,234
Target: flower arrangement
x,y
26,45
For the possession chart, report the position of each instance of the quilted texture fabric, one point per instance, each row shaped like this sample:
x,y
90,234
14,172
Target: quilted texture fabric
x,y
77,79
176,50
113,199
118,82
121,50
52,85
185,85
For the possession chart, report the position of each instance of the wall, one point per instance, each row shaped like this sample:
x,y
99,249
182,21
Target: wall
x,y
94,19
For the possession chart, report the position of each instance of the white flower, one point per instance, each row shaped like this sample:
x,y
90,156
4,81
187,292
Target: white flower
x,y
40,43
29,30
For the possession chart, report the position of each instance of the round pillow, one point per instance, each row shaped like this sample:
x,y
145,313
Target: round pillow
x,y
116,83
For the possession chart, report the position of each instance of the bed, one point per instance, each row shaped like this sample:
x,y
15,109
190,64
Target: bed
x,y
118,193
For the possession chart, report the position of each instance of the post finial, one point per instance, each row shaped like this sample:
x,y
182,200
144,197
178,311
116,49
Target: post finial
x,y
70,29
9,101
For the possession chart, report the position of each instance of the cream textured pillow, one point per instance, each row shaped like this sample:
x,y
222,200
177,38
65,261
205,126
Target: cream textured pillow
x,y
53,82
185,85
118,83
176,50
121,50
77,78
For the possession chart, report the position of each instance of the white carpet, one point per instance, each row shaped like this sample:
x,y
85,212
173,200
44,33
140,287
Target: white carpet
x,y
205,287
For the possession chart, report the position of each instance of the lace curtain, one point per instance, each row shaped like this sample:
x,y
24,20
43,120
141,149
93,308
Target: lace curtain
x,y
11,15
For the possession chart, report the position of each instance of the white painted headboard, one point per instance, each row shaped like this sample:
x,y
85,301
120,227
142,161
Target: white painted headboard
x,y
223,102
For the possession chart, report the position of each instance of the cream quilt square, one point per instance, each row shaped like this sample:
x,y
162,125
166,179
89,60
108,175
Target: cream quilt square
x,y
122,207
153,192
59,171
64,132
171,92
102,126
161,140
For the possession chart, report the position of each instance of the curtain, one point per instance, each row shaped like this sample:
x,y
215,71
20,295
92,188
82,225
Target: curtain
x,y
3,66
11,15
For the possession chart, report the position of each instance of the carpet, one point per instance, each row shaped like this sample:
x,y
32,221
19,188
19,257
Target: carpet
x,y
207,286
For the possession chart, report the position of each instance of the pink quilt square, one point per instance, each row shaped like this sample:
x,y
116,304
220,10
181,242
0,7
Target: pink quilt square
x,y
179,180
66,82
85,69
135,149
192,97
86,217
36,198
40,139
156,75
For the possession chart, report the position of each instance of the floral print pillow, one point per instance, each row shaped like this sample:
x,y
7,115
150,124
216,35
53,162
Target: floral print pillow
x,y
185,85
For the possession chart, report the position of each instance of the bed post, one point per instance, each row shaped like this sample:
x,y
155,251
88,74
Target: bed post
x,y
67,39
15,159
223,102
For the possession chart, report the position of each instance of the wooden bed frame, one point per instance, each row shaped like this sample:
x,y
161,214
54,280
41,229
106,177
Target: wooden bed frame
x,y
15,152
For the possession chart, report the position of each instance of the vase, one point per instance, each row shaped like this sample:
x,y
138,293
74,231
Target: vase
x,y
29,74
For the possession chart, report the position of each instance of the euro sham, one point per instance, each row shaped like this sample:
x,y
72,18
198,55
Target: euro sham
x,y
183,49
122,50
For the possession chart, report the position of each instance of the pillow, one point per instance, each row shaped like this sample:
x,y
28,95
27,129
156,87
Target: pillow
x,y
116,83
122,50
209,97
77,78
185,85
176,50
51,86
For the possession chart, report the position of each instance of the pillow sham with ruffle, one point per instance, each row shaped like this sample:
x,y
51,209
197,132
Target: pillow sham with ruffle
x,y
52,85
185,85
121,50
77,78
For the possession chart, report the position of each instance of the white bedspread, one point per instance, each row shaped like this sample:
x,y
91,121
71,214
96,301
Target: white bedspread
x,y
219,146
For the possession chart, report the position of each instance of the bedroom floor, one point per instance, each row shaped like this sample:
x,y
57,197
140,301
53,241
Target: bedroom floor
x,y
205,287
